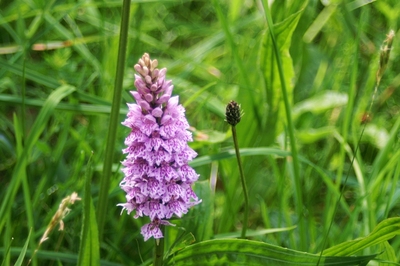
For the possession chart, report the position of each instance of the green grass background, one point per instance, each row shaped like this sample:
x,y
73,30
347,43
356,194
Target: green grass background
x,y
57,70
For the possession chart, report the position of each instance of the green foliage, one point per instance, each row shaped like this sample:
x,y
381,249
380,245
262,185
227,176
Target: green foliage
x,y
384,231
57,74
275,117
245,252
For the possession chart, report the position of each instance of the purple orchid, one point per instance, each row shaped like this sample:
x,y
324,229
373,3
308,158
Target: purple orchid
x,y
157,178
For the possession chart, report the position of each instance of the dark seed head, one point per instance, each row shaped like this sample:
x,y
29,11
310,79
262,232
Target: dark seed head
x,y
233,114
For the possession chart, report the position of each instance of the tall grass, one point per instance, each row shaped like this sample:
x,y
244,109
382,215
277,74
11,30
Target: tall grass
x,y
57,71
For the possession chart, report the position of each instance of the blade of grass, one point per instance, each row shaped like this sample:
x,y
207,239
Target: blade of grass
x,y
296,163
23,251
114,122
7,242
384,231
197,94
89,246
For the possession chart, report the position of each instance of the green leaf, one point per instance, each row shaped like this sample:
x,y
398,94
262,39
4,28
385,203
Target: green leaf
x,y
246,252
384,231
271,81
89,249
23,251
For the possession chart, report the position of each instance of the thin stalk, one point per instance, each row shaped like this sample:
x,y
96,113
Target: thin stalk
x,y
159,249
296,162
242,179
23,96
113,125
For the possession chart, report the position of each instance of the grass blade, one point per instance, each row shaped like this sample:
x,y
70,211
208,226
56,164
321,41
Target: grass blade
x,y
89,249
244,252
23,251
384,231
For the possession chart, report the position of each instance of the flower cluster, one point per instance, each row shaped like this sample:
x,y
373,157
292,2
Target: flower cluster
x,y
157,178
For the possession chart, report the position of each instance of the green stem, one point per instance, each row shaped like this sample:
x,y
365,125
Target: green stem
x,y
246,196
159,249
296,162
114,121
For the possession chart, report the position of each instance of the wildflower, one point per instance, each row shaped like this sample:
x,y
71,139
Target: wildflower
x,y
157,178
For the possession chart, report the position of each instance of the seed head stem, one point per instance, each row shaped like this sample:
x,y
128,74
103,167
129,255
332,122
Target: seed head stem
x,y
242,179
233,115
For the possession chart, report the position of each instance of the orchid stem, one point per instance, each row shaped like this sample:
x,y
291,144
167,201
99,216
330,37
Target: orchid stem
x,y
159,249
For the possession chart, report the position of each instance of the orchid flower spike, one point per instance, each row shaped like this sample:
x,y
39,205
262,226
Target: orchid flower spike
x,y
157,178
